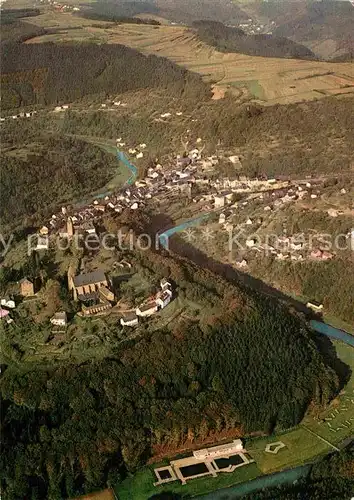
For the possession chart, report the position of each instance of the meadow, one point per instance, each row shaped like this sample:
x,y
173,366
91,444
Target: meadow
x,y
270,80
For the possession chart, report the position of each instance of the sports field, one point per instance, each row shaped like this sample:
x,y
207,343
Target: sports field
x,y
271,80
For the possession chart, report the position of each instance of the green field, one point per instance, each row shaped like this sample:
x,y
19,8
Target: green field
x,y
253,86
300,446
140,486
341,410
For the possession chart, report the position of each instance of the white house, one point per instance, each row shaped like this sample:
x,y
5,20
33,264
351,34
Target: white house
x,y
222,219
42,242
139,155
59,319
250,243
129,319
146,310
165,284
219,201
164,299
10,304
218,451
315,306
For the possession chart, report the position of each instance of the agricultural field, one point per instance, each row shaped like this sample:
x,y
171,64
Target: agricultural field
x,y
269,80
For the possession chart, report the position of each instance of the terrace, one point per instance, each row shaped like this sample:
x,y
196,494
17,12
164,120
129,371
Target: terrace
x,y
206,462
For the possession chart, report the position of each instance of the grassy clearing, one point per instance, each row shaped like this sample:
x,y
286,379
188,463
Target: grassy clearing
x,y
140,486
341,410
301,447
253,86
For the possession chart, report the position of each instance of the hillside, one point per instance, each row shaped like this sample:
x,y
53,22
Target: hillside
x,y
226,39
48,73
324,27
245,365
36,177
185,11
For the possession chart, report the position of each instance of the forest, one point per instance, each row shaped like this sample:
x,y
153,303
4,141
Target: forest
x,y
57,171
74,428
98,15
230,39
49,73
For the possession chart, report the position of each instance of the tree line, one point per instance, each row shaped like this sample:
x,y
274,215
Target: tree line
x,y
230,39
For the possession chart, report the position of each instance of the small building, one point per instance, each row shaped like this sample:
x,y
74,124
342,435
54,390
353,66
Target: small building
x,y
165,284
164,299
8,303
315,306
3,313
219,201
250,243
44,231
129,319
327,255
59,319
146,310
27,287
42,242
241,263
88,227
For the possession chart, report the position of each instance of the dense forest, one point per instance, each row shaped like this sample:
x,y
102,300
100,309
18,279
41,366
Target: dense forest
x,y
48,73
58,170
229,39
97,15
330,478
248,365
329,283
9,16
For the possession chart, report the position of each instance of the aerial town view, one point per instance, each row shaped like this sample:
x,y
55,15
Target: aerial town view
x,y
177,250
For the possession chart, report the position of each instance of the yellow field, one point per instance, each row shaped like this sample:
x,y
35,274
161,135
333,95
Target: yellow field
x,y
267,79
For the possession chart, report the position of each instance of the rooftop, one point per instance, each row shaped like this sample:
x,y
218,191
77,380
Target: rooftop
x,y
89,278
147,307
129,316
